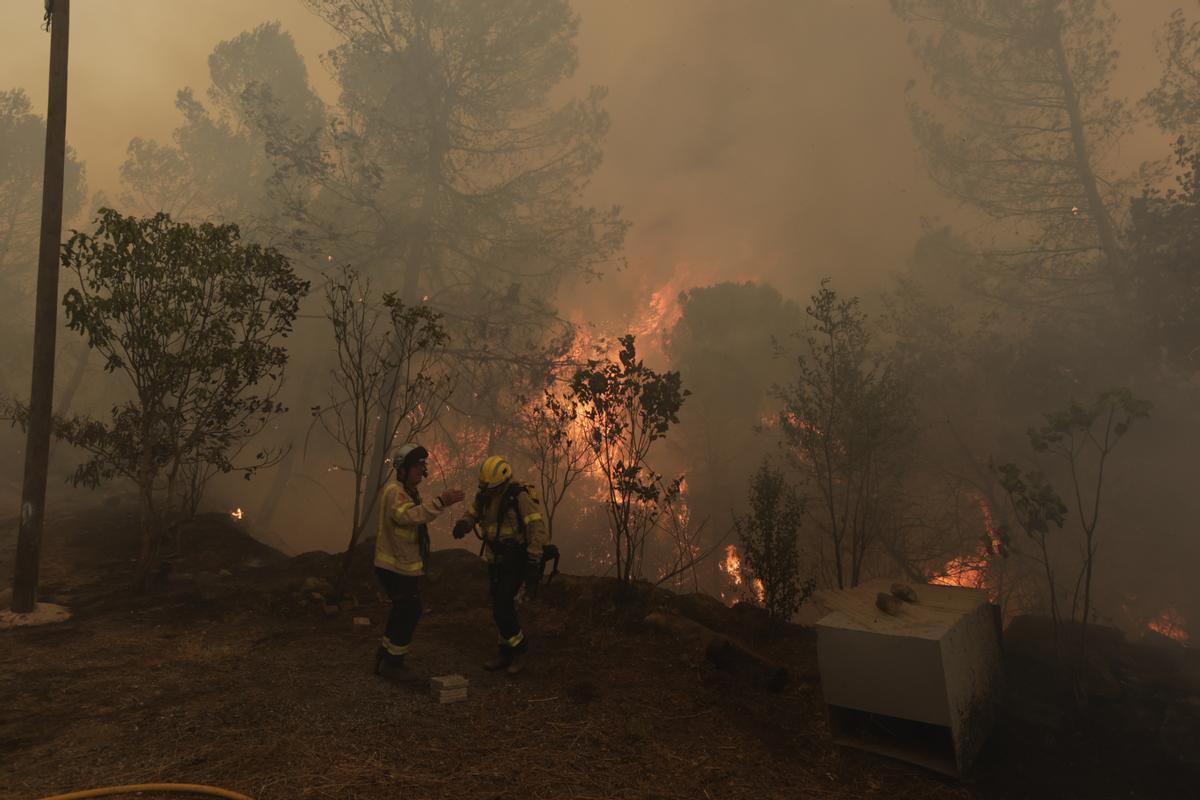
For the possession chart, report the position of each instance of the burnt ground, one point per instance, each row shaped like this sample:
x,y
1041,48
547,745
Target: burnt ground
x,y
232,673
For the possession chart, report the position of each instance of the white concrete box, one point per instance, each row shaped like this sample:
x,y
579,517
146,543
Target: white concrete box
x,y
921,683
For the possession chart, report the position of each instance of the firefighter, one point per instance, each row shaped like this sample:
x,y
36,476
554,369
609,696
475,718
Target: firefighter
x,y
514,534
401,549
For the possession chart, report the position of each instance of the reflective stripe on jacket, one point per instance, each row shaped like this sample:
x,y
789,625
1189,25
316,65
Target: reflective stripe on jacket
x,y
508,529
401,517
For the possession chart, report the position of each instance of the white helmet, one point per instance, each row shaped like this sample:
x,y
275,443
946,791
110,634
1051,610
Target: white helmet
x,y
409,455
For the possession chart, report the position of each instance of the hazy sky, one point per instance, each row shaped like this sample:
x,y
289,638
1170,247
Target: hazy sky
x,y
749,139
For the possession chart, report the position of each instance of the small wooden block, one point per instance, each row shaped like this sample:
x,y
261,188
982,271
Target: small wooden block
x,y
451,696
443,682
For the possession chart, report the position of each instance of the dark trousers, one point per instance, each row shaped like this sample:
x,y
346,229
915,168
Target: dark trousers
x,y
404,592
505,576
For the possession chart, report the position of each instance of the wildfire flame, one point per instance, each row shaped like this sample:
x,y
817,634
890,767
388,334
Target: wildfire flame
x,y
1170,623
237,513
971,570
731,565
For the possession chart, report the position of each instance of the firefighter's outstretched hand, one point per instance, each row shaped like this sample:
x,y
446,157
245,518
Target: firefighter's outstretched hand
x,y
462,528
451,496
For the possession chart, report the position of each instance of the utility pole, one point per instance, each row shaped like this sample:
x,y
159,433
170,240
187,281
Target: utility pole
x,y
45,325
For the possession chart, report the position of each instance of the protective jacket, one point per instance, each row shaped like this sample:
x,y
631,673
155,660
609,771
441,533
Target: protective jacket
x,y
520,512
403,529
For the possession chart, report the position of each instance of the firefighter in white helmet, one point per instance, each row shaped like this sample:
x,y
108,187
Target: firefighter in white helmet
x,y
401,549
514,535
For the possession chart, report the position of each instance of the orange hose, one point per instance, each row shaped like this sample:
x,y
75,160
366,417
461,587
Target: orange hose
x,y
191,788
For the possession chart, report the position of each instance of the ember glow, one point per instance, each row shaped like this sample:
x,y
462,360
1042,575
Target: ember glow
x,y
971,570
237,513
1170,623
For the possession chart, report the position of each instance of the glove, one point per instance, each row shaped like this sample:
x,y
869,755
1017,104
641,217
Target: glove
x,y
451,496
462,528
533,576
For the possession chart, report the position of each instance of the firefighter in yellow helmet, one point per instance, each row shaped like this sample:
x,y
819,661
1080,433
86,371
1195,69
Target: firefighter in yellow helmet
x,y
514,534
401,549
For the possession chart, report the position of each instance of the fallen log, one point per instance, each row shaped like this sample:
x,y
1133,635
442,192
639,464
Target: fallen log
x,y
725,653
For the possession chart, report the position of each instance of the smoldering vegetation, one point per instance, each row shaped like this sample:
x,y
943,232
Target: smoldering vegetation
x,y
986,377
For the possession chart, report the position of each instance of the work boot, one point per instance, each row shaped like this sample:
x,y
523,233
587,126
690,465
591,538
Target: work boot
x,y
502,660
517,663
388,665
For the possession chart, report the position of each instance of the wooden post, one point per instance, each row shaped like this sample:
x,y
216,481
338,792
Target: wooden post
x,y
45,326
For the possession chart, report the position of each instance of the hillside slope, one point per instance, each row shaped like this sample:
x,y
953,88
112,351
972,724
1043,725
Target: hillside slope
x,y
231,672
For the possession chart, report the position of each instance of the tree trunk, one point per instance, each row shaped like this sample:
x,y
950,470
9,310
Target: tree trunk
x,y
148,555
725,653
1114,255
357,525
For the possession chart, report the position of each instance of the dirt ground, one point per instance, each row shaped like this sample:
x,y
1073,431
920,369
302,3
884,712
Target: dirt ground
x,y
221,676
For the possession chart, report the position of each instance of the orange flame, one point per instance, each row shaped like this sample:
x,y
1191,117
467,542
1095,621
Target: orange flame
x,y
1170,623
237,513
731,565
971,570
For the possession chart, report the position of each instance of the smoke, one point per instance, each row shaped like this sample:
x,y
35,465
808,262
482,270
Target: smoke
x,y
755,139
762,139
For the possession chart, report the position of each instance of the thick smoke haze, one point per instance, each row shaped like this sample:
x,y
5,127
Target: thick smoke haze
x,y
748,140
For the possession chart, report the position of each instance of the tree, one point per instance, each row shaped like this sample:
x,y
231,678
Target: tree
x,y
451,171
847,419
192,320
1028,124
1165,246
22,137
218,168
555,437
448,152
1175,102
389,367
1035,506
1082,437
731,367
628,407
771,545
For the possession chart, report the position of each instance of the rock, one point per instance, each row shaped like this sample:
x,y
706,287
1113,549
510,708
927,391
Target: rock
x,y
331,610
362,622
318,585
225,574
888,604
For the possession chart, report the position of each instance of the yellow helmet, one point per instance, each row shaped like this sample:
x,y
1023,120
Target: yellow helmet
x,y
495,471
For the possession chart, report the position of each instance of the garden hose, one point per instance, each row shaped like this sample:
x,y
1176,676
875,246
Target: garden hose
x,y
189,788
